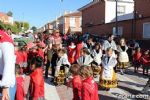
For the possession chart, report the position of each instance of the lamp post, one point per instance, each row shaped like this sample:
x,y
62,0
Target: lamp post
x,y
116,21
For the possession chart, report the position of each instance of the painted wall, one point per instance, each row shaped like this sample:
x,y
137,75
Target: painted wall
x,y
110,11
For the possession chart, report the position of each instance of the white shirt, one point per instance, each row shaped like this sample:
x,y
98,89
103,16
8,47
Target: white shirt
x,y
7,64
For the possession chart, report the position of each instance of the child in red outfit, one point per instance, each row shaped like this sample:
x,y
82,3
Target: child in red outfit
x,y
136,59
76,82
40,52
71,52
145,59
89,86
37,80
20,94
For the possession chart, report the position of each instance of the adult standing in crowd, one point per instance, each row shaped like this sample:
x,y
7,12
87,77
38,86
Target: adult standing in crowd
x,y
7,66
110,43
89,44
55,43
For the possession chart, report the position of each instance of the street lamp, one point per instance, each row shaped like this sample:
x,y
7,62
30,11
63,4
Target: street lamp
x,y
116,21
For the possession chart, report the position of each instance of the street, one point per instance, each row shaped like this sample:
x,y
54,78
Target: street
x,y
130,85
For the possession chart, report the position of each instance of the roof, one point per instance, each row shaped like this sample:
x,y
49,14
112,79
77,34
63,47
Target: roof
x,y
88,5
71,14
3,14
97,1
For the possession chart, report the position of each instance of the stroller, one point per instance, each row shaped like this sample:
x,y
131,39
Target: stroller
x,y
62,75
96,69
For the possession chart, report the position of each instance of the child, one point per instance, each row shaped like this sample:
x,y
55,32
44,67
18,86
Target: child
x,y
123,56
145,62
40,51
97,54
19,57
37,80
89,86
85,58
76,82
79,46
62,61
71,52
20,94
24,59
136,59
108,78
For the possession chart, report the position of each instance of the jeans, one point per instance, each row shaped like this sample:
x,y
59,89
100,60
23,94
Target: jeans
x,y
12,92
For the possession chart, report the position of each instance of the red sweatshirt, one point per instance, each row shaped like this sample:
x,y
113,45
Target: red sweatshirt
x,y
71,54
40,53
19,58
89,89
137,56
77,85
24,53
37,84
20,90
78,50
145,59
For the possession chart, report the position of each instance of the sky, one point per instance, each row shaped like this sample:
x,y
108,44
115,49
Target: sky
x,y
39,12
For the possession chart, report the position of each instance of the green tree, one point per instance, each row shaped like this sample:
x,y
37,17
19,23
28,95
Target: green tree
x,y
33,28
26,26
2,25
10,13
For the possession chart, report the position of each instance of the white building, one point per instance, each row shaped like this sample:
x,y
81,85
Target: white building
x,y
125,10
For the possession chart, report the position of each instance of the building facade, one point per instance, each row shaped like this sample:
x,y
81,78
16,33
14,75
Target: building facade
x,y
6,19
70,22
132,18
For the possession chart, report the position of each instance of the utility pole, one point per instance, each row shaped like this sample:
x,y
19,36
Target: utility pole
x,y
116,17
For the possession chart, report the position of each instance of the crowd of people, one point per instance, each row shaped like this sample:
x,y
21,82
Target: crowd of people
x,y
75,64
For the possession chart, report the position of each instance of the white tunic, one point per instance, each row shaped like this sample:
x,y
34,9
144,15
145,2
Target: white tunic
x,y
97,56
87,61
108,66
123,56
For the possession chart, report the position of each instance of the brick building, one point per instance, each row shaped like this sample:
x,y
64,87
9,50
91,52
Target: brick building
x,y
70,22
133,18
5,18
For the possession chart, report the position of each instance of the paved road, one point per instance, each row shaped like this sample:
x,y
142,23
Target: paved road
x,y
130,84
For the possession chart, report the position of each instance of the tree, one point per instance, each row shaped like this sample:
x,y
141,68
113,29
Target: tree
x,y
10,13
26,26
2,26
34,28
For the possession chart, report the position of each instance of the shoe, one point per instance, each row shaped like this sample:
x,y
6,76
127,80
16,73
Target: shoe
x,y
46,77
52,80
108,89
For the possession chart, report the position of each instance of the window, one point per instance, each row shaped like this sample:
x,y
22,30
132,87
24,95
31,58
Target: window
x,y
121,10
120,31
72,22
146,30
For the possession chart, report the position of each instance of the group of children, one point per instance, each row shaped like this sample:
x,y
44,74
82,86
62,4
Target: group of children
x,y
141,60
29,71
84,60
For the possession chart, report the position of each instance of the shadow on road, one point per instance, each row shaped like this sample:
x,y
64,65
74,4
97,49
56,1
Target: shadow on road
x,y
104,97
131,83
